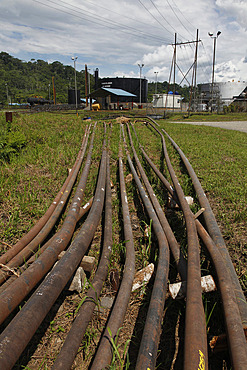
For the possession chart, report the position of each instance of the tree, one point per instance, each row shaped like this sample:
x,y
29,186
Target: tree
x,y
32,78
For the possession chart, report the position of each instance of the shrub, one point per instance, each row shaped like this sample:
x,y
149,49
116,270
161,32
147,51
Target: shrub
x,y
12,139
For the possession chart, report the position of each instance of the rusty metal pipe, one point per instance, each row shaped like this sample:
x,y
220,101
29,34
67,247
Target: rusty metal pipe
x,y
160,175
162,178
104,353
17,291
26,239
19,332
173,244
213,229
152,329
195,351
155,169
235,333
27,251
82,212
214,232
236,337
73,340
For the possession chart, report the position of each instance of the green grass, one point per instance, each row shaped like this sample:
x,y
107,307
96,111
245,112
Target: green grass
x,y
12,140
31,177
219,160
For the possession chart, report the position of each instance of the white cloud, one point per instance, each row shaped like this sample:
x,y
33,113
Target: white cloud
x,y
114,35
158,56
236,9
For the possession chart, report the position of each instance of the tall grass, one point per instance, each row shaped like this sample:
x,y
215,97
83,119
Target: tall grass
x,y
30,180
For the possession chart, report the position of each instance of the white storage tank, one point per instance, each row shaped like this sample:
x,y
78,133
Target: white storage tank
x,y
225,91
230,89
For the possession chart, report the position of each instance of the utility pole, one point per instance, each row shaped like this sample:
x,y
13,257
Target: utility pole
x,y
195,67
174,72
74,59
214,53
156,81
193,82
54,90
7,93
169,81
173,66
89,89
141,66
155,90
86,77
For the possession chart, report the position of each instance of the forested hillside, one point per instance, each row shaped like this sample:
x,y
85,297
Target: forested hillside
x,y
20,80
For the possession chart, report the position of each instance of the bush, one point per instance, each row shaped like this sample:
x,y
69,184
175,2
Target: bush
x,y
12,140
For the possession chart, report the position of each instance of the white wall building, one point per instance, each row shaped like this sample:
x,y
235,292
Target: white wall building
x,y
166,100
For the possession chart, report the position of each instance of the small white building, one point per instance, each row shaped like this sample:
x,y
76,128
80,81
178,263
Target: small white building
x,y
167,100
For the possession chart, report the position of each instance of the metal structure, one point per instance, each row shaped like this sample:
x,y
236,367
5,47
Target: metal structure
x,y
214,54
76,101
104,352
224,93
156,81
140,66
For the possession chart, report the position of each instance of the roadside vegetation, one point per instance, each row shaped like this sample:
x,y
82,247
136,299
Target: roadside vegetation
x,y
34,169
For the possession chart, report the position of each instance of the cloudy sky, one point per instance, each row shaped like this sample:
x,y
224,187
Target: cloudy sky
x,y
116,35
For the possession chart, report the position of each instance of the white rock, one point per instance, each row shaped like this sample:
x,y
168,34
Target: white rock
x,y
78,281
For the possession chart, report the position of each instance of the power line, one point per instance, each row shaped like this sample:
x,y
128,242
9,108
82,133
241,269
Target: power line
x,y
164,17
183,15
201,66
187,42
91,17
114,12
104,22
178,18
154,17
207,77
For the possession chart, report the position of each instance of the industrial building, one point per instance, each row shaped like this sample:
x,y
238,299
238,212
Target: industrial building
x,y
223,94
131,85
111,98
168,101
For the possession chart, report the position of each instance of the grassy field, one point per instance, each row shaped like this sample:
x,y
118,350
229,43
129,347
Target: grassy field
x,y
37,150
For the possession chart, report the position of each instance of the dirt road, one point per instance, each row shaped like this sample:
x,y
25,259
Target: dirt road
x,y
230,125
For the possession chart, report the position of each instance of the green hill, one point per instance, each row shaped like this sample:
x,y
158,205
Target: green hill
x,y
20,79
